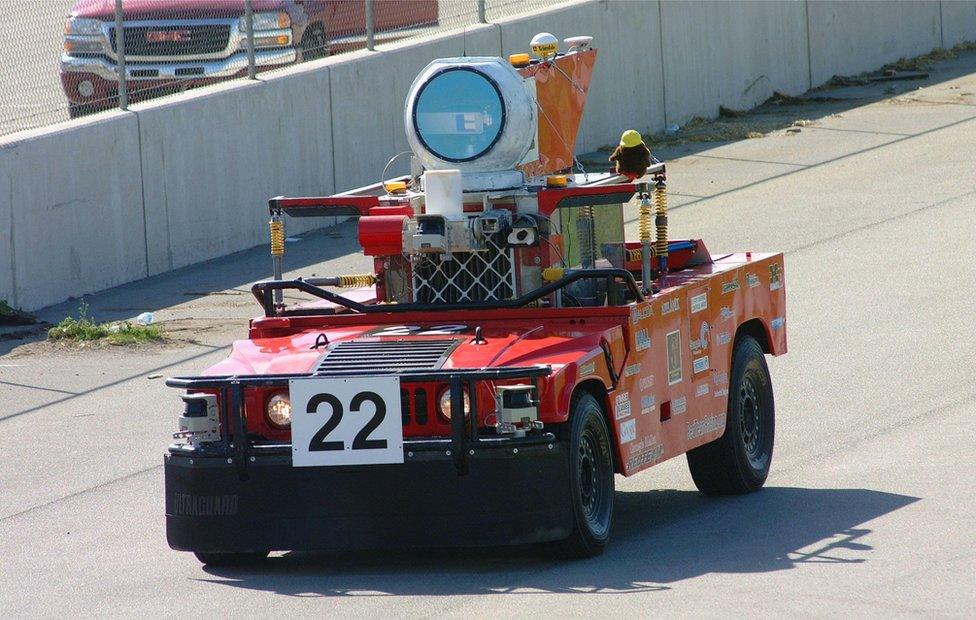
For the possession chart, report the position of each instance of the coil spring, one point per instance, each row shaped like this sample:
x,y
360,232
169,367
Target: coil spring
x,y
661,211
644,223
551,274
357,280
637,254
277,237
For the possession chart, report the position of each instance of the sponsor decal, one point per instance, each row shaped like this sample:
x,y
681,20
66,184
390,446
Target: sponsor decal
x,y
706,425
621,406
647,457
721,393
700,365
646,383
672,305
647,404
702,389
777,323
204,505
679,406
726,313
641,311
417,330
587,369
674,357
775,277
628,431
752,280
720,378
699,302
642,341
731,286
633,369
699,345
722,338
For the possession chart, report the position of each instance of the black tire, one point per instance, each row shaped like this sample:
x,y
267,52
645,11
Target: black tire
x,y
231,559
591,479
314,43
738,461
80,110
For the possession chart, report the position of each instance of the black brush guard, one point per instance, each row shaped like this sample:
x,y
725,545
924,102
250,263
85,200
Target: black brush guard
x,y
468,489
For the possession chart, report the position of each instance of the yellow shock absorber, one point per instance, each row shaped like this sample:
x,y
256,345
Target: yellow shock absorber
x,y
277,237
637,254
661,222
644,223
358,280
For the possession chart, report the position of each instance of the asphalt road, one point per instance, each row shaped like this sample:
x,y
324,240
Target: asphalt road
x,y
868,510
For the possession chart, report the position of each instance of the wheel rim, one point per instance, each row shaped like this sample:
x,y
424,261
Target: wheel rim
x,y
751,407
592,470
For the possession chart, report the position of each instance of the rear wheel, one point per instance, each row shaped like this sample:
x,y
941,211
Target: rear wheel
x,y
591,479
738,461
231,559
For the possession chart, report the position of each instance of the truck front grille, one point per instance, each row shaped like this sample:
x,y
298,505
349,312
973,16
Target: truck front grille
x,y
173,40
372,356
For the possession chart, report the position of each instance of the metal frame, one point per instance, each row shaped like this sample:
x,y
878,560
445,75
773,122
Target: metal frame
x,y
264,292
464,436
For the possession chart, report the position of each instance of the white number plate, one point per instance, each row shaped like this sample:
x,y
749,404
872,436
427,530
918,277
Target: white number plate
x,y
354,421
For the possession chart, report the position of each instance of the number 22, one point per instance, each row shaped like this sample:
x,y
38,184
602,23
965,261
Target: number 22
x,y
361,441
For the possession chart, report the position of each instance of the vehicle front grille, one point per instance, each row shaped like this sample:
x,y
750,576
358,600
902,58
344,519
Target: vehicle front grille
x,y
173,40
371,356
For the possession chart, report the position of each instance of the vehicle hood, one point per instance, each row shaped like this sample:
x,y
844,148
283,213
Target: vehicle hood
x,y
173,9
556,345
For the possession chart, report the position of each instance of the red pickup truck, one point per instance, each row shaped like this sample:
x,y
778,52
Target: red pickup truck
x,y
171,45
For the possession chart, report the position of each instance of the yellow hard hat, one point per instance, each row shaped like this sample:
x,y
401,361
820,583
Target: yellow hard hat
x,y
630,138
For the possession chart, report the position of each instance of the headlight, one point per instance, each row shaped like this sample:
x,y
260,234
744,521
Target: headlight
x,y
444,403
278,410
83,27
267,21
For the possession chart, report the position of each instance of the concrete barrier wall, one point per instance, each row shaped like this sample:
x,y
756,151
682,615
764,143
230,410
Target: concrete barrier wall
x,y
98,202
72,199
732,54
851,37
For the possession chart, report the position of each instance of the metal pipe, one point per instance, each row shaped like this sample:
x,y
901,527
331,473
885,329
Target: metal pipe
x,y
252,69
645,239
482,19
120,54
370,26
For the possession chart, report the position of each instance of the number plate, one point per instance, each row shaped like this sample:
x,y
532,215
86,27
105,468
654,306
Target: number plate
x,y
354,421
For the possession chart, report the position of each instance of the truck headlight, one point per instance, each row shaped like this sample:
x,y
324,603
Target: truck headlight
x,y
444,403
278,410
267,21
83,27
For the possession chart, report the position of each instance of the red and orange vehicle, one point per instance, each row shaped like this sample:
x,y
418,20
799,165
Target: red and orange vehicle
x,y
509,353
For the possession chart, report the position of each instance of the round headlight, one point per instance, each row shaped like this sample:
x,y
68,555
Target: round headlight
x,y
278,410
444,403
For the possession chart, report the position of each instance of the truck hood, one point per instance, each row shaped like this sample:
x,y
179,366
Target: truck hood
x,y
556,345
173,9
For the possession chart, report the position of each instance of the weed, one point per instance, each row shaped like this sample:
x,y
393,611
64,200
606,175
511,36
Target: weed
x,y
85,328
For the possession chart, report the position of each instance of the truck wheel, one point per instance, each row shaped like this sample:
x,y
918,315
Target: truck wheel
x,y
738,461
591,479
79,110
231,559
314,44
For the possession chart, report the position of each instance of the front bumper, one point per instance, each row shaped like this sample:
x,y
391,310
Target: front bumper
x,y
509,496
206,69
463,490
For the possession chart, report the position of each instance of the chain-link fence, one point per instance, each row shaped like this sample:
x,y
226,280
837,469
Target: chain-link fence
x,y
63,59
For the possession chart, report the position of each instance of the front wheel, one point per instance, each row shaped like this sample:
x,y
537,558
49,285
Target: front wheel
x,y
738,461
314,43
591,479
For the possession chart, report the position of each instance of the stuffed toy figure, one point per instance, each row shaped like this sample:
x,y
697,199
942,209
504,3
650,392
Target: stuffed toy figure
x,y
631,156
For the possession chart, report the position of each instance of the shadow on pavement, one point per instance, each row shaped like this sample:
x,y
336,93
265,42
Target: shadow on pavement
x,y
660,538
